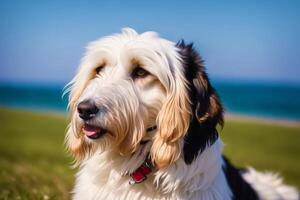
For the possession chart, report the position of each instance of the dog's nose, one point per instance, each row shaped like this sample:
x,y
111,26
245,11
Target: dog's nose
x,y
87,110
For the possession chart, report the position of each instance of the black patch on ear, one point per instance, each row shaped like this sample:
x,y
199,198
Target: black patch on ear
x,y
200,133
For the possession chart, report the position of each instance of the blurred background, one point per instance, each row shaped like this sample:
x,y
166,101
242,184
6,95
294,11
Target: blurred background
x,y
251,51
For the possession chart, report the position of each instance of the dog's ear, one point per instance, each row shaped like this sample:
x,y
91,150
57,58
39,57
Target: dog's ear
x,y
207,110
74,138
172,122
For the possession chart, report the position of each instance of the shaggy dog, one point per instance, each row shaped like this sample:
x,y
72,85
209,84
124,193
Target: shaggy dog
x,y
144,122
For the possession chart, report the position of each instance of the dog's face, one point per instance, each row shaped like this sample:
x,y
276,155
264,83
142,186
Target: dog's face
x,y
127,83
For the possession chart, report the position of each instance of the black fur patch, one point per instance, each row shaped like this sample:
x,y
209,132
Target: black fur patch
x,y
239,187
204,133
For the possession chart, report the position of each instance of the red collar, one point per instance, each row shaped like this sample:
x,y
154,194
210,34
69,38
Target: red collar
x,y
140,174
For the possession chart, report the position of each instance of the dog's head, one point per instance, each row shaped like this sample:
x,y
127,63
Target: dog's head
x,y
129,82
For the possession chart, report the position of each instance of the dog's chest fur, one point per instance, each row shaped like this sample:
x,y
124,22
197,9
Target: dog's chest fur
x,y
101,177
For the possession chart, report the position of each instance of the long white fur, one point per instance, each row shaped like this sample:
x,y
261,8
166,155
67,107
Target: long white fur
x,y
101,177
105,174
270,186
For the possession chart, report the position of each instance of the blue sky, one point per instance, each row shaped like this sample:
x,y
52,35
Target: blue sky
x,y
239,40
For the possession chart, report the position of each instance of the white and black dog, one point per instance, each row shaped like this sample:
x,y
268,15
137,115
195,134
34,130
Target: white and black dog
x,y
143,126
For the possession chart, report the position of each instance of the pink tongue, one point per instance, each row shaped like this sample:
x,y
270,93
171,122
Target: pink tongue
x,y
90,130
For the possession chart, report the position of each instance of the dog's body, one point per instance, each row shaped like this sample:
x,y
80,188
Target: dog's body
x,y
143,126
197,181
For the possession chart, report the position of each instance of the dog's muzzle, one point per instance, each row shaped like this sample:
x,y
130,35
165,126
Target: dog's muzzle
x,y
112,111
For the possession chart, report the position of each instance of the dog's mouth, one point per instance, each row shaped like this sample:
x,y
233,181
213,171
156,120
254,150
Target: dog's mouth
x,y
93,132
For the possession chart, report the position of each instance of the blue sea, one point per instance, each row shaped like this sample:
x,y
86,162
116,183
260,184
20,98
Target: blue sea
x,y
268,100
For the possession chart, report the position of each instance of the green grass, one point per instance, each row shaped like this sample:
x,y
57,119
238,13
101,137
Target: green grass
x,y
264,146
34,164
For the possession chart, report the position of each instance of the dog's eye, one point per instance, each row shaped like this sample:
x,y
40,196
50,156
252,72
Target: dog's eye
x,y
98,69
139,73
